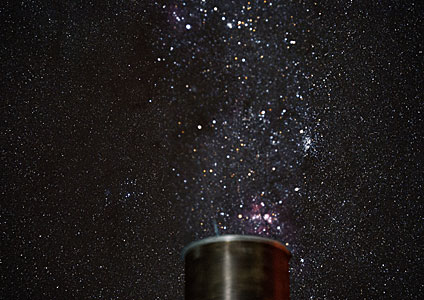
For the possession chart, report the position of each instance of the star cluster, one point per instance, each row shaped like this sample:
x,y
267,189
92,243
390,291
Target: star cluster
x,y
133,128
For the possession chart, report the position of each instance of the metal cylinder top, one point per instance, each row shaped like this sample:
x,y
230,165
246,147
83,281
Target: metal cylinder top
x,y
234,238
236,267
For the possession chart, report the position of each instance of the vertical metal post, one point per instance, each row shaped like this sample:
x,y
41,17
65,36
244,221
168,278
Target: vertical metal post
x,y
236,267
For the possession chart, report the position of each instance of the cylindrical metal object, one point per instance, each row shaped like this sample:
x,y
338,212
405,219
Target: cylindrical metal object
x,y
236,267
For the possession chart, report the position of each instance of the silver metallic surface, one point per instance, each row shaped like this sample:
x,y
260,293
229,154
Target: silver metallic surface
x,y
236,267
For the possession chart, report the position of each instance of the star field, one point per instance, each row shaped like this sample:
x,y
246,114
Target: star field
x,y
130,129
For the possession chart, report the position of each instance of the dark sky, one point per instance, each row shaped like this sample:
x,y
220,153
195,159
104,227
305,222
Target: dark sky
x,y
130,128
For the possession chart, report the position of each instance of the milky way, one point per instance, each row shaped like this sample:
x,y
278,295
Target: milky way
x,y
241,169
133,128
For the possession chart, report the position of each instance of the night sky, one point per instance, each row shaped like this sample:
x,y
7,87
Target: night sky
x,y
131,128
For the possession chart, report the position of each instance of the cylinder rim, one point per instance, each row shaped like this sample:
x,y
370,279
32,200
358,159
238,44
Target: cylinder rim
x,y
233,238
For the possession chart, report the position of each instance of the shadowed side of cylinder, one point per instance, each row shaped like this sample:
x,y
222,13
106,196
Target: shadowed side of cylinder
x,y
235,267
